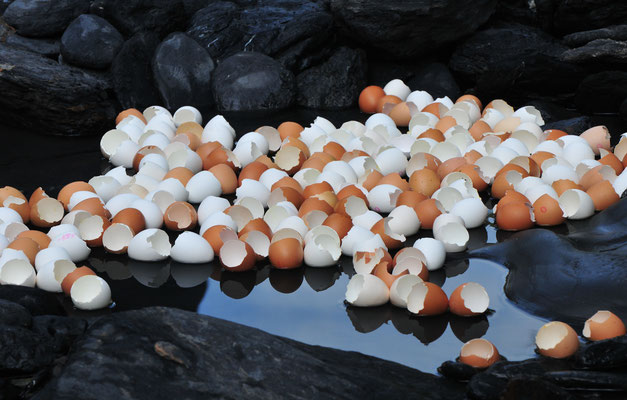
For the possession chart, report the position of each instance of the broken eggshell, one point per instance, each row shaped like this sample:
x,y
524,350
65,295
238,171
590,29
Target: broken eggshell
x,y
150,245
557,340
90,292
365,290
469,299
191,248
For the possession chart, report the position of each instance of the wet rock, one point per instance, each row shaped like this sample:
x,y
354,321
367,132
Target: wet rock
x,y
36,301
14,314
535,13
293,32
182,72
589,380
132,16
61,331
517,62
598,52
201,357
23,351
43,18
602,92
614,32
132,72
406,29
604,354
4,4
90,42
457,371
553,112
46,47
572,126
532,389
35,95
250,81
622,111
436,79
334,84
580,15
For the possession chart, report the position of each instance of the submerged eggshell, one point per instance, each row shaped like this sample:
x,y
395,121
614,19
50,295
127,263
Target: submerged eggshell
x,y
603,325
365,290
557,340
479,353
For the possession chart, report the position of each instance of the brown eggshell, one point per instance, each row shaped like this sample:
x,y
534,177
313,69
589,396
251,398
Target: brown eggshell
x,y
470,97
212,235
603,195
349,155
446,123
390,243
316,188
181,174
372,179
387,99
427,211
500,186
479,129
313,203
93,206
511,196
369,99
425,182
290,159
286,253
450,165
132,218
40,238
340,223
479,353
459,306
289,129
22,208
401,113
220,156
191,127
526,163
383,271
189,139
611,160
37,195
265,160
432,133
334,149
40,207
237,256
328,197
514,216
143,152
226,176
557,340
472,156
394,179
410,198
290,194
554,134
129,111
475,175
287,182
252,171
26,245
205,149
562,185
317,161
70,278
180,216
351,190
598,137
257,224
603,325
541,156
435,301
547,211
292,141
434,108
68,190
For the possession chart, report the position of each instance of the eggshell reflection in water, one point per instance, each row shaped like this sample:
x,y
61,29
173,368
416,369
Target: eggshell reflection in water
x,y
469,299
427,298
366,291
557,340
286,253
479,353
90,292
603,325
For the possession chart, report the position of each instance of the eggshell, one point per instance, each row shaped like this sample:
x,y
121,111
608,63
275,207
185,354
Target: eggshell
x,y
8,215
424,181
603,325
426,298
364,262
394,179
562,185
547,211
557,340
27,245
117,237
191,248
180,216
17,272
42,240
46,212
576,204
369,98
450,230
289,128
469,299
214,234
515,216
472,211
151,212
12,254
392,240
68,190
51,274
410,199
382,198
383,271
94,206
252,188
364,290
598,137
73,276
92,229
340,223
73,244
479,353
411,265
603,195
427,211
400,289
258,225
286,254
221,156
202,185
150,245
323,250
90,292
403,220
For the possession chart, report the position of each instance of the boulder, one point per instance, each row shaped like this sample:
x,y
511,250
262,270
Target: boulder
x,y
436,79
132,16
14,314
182,72
4,4
90,42
553,112
599,52
334,84
602,92
23,351
515,61
572,126
622,111
43,18
35,95
537,13
46,47
293,32
405,29
167,353
132,72
61,331
580,15
614,32
249,81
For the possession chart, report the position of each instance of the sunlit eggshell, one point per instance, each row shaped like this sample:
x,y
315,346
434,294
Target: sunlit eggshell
x,y
603,325
479,353
391,239
129,111
289,129
504,182
226,176
432,133
191,248
603,195
334,149
90,292
68,190
46,213
515,216
252,171
370,179
73,244
131,217
369,98
221,156
286,253
412,265
612,161
117,237
424,181
472,211
557,340
410,198
478,129
312,204
469,299
576,204
426,298
383,271
382,198
251,188
450,230
73,276
562,185
40,238
150,245
401,113
51,274
258,225
364,262
202,185
39,194
403,220
400,289
180,216
596,175
427,211
322,248
91,230
26,245
340,223
365,290
598,137
547,211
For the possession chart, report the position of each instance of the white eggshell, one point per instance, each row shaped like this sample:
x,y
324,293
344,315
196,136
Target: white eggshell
x,y
119,202
400,289
367,219
150,245
151,212
105,186
404,221
576,152
8,215
398,88
380,119
355,235
4,242
271,176
201,185
218,218
73,244
124,154
253,188
51,274
322,250
576,204
382,198
210,205
366,291
50,254
62,229
332,178
620,183
367,245
420,98
12,254
342,168
120,175
294,222
187,114
557,172
391,160
434,252
111,140
535,192
191,248
219,134
90,292
472,211
17,272
185,158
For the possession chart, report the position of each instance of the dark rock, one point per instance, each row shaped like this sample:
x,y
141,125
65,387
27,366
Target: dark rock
x,y
132,72
602,92
170,353
46,47
572,126
516,62
537,13
457,371
436,79
62,331
90,42
35,95
132,16
14,314
552,112
293,32
622,111
36,301
382,71
334,84
604,354
250,81
580,15
404,29
182,72
532,389
599,51
589,380
43,18
23,351
4,4
614,32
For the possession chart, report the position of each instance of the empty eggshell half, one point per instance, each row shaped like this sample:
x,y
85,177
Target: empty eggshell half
x,y
426,298
237,256
557,340
576,204
51,274
365,290
150,245
434,252
90,292
479,353
450,230
73,244
17,272
191,248
469,299
603,325
400,289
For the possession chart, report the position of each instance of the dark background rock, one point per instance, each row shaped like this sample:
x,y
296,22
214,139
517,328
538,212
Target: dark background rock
x,y
581,15
334,84
623,110
615,32
538,13
62,331
572,126
46,47
36,301
132,16
132,72
535,388
90,42
36,95
436,79
4,4
404,29
599,51
182,72
252,81
457,370
602,92
553,112
43,18
22,351
14,314
604,354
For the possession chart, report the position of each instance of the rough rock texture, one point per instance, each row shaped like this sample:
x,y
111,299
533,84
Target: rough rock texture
x,y
293,32
252,81
132,16
436,79
35,95
90,42
602,92
614,32
334,84
552,112
182,72
166,353
623,110
14,314
4,4
404,29
598,51
132,72
537,13
43,18
46,47
580,15
515,62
